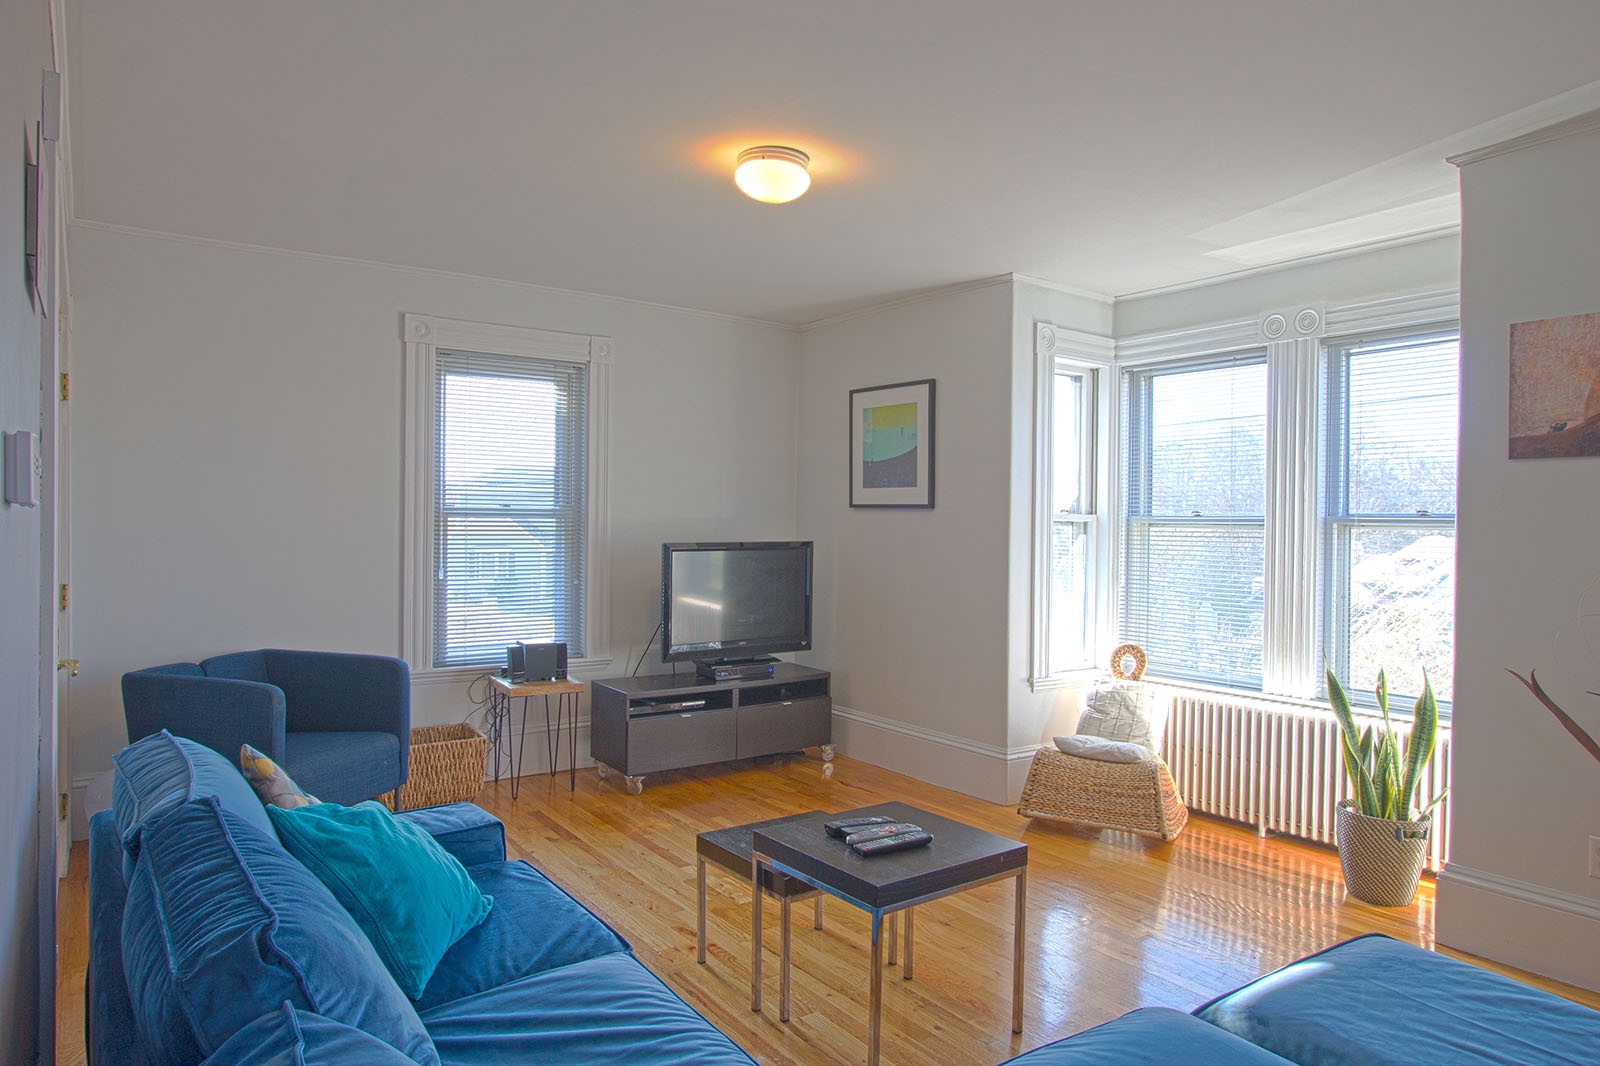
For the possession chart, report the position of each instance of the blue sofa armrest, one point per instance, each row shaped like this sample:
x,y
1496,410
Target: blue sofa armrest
x,y
1381,1002
1150,1036
217,712
465,830
110,1032
340,692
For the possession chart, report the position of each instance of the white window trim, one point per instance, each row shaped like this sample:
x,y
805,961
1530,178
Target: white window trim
x,y
1294,339
1057,346
423,336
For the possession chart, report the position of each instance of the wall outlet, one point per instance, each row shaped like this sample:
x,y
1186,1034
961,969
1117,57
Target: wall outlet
x,y
1594,856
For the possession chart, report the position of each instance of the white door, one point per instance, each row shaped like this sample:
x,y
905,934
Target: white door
x,y
48,302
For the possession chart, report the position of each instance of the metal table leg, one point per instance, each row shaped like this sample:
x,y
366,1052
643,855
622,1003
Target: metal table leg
x,y
700,879
875,990
522,740
1019,941
755,933
572,743
911,918
783,961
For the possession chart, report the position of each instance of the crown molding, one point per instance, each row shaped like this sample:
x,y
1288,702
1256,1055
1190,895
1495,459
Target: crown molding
x,y
1587,122
921,296
1420,237
1064,289
417,271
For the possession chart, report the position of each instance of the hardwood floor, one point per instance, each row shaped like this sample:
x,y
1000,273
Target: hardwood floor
x,y
1114,921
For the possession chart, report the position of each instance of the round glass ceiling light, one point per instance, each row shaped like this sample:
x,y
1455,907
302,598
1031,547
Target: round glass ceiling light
x,y
772,174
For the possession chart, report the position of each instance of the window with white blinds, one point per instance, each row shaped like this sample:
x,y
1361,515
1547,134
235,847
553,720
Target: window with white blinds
x,y
1069,619
509,504
1389,559
1194,501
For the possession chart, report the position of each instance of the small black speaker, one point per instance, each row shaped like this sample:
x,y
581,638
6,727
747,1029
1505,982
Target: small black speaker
x,y
515,663
544,662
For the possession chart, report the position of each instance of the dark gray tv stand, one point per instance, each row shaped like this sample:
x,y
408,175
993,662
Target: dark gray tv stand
x,y
641,725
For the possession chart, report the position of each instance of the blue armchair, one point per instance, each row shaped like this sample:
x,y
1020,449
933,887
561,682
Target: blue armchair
x,y
339,724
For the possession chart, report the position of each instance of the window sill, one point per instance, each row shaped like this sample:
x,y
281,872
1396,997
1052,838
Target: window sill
x,y
1066,679
577,669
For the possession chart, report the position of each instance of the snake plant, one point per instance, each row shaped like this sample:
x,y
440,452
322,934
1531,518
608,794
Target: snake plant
x,y
1383,773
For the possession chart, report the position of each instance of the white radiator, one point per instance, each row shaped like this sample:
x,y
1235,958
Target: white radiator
x,y
1276,766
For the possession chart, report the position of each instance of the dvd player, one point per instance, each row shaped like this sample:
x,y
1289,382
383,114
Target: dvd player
x,y
734,670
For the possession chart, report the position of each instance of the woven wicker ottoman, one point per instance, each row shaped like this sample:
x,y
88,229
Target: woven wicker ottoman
x,y
1135,797
447,763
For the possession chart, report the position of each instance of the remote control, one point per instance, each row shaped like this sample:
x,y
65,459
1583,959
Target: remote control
x,y
898,842
877,832
845,826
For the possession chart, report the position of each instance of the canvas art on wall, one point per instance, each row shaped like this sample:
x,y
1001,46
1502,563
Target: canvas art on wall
x,y
1555,387
891,445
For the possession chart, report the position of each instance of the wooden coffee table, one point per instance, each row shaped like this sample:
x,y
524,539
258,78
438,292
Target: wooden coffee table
x,y
960,857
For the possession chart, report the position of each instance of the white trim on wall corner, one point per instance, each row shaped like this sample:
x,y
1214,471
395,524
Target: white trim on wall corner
x,y
934,736
1520,891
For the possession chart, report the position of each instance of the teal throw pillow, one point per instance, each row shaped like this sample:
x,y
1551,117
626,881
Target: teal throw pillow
x,y
410,896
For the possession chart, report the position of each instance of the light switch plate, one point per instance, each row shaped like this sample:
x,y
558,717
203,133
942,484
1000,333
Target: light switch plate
x,y
22,468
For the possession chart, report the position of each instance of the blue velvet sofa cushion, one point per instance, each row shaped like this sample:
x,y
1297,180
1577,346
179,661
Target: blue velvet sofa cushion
x,y
221,925
605,1010
410,896
1379,1002
1150,1036
533,927
290,1037
110,1033
154,775
465,830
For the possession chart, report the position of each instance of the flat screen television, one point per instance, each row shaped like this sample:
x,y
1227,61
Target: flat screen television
x,y
733,600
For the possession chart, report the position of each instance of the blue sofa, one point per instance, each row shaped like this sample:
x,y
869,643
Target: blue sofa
x,y
1370,1001
340,724
210,944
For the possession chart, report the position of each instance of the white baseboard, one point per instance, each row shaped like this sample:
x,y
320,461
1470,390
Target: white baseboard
x,y
986,771
1519,923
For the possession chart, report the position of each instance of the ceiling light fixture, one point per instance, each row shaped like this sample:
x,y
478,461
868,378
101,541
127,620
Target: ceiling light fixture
x,y
773,174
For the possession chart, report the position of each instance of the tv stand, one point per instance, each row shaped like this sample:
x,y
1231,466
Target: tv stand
x,y
642,725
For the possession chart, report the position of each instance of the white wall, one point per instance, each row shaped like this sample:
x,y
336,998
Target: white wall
x,y
1527,798
912,606
24,53
237,452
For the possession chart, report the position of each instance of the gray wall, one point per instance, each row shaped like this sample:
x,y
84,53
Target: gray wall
x,y
24,53
1527,797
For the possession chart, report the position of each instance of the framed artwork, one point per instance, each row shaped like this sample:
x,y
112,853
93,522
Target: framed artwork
x,y
1555,388
891,445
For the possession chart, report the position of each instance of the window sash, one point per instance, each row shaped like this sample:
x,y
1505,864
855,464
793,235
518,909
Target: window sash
x,y
510,508
1071,590
1194,533
1392,404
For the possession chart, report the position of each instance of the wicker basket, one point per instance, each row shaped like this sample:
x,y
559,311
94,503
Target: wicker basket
x,y
1381,858
1135,797
446,766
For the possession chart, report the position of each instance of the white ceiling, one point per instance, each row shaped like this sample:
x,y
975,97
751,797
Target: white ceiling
x,y
1113,146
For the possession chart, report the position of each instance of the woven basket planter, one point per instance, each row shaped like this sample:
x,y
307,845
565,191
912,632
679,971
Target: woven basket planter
x,y
1382,858
446,766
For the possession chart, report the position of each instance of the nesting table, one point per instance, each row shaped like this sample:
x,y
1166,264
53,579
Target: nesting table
x,y
960,857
